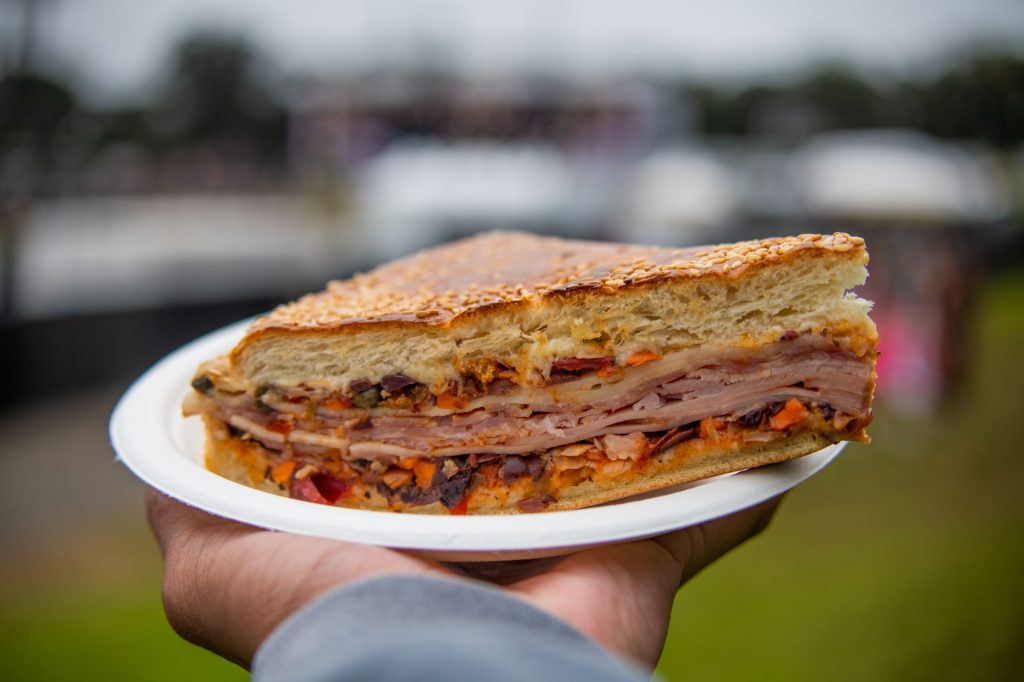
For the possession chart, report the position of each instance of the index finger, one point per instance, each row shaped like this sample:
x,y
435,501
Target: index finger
x,y
171,519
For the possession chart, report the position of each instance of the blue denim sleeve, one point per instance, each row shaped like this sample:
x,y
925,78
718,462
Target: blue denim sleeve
x,y
430,629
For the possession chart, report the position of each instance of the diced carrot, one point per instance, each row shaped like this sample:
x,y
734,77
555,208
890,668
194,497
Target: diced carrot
x,y
338,404
424,470
407,463
461,507
283,471
609,371
794,412
446,401
642,357
709,428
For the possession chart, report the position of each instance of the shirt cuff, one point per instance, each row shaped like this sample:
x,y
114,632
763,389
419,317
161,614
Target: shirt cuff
x,y
427,628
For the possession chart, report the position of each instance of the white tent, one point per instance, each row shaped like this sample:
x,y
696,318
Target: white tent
x,y
896,174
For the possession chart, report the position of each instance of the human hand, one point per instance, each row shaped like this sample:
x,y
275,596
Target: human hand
x,y
621,595
228,585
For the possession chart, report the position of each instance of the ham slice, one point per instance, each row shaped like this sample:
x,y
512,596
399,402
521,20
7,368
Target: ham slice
x,y
657,396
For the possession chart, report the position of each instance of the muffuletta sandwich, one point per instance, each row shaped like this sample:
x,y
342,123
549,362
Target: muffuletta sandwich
x,y
515,373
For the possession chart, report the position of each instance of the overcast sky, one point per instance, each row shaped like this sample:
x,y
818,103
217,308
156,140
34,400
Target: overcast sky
x,y
118,46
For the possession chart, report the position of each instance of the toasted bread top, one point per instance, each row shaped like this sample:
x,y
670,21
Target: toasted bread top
x,y
526,300
437,286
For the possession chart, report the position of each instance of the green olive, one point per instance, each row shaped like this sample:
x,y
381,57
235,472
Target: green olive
x,y
368,398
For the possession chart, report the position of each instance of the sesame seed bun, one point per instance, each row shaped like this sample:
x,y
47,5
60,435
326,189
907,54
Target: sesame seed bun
x,y
524,299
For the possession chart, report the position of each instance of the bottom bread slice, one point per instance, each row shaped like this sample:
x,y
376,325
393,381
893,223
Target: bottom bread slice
x,y
487,489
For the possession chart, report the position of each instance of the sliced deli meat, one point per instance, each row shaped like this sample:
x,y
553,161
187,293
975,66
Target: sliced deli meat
x,y
661,398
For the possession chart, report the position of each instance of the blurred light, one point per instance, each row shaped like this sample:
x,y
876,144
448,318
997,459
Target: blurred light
x,y
677,196
416,193
895,174
93,255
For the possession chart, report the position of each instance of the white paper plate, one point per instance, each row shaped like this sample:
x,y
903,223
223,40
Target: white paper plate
x,y
165,450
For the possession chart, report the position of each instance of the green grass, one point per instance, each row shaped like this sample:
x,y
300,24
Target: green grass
x,y
88,607
901,561
112,634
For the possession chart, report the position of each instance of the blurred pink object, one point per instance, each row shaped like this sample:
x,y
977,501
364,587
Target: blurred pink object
x,y
909,367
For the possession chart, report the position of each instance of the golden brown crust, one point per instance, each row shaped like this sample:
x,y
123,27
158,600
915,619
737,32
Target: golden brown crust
x,y
494,271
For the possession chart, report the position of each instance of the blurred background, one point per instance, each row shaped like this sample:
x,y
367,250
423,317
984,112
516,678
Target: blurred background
x,y
172,166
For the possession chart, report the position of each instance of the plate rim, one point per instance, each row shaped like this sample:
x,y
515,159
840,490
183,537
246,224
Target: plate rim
x,y
142,409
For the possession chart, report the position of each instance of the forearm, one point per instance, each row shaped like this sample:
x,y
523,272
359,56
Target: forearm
x,y
428,629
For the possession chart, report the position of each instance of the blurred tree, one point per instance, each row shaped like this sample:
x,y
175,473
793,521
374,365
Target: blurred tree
x,y
130,124
721,112
982,98
32,110
217,93
841,98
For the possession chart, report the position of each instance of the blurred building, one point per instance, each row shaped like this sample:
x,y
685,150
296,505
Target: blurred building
x,y
336,125
430,157
679,195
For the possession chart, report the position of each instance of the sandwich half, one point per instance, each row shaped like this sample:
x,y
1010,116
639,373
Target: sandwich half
x,y
515,373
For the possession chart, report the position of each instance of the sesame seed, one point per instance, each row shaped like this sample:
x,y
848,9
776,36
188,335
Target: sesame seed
x,y
436,285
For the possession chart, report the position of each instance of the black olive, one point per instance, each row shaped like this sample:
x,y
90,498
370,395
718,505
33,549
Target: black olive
x,y
393,383
513,468
359,385
203,384
454,489
753,419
